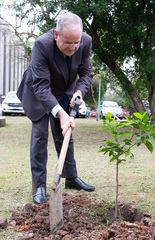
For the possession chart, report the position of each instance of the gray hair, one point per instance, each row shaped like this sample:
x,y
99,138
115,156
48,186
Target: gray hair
x,y
68,19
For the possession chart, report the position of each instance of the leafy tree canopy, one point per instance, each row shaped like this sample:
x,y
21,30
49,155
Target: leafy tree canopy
x,y
121,31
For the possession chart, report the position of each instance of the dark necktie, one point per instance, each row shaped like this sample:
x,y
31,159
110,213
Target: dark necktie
x,y
68,61
64,101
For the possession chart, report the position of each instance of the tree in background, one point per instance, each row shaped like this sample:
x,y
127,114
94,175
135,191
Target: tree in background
x,y
122,31
99,73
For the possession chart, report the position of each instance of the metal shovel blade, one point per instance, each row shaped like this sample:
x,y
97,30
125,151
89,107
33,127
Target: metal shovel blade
x,y
56,212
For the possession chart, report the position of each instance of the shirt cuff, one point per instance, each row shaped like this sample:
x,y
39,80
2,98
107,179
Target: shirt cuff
x,y
55,110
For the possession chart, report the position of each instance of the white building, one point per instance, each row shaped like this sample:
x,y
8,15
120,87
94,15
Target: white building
x,y
13,60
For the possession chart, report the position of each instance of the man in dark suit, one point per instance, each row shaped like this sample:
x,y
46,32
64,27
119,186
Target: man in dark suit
x,y
48,88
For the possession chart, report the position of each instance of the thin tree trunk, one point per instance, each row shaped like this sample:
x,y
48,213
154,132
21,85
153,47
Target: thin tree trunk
x,y
126,85
116,200
93,97
152,104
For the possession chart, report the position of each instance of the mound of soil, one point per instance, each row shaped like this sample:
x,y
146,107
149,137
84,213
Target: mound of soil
x,y
84,219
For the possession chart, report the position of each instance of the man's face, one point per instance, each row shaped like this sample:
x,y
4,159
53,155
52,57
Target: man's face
x,y
66,41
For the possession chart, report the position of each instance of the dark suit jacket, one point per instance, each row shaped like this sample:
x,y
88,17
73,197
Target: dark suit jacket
x,y
46,79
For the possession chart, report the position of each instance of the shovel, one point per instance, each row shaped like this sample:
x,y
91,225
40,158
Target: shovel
x,y
56,211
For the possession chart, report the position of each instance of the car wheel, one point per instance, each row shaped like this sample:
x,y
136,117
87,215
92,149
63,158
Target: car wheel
x,y
3,113
101,115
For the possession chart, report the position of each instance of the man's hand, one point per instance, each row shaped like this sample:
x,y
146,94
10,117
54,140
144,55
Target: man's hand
x,y
66,121
75,95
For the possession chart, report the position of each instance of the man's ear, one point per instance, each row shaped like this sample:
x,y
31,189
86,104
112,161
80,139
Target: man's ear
x,y
55,34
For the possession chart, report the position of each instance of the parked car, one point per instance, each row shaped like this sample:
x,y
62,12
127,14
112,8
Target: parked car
x,y
82,112
112,107
88,111
93,113
124,113
0,109
11,104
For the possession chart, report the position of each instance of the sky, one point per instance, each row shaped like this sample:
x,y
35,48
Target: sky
x,y
9,17
6,14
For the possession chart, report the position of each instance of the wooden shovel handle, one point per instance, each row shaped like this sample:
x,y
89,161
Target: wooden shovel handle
x,y
63,152
64,147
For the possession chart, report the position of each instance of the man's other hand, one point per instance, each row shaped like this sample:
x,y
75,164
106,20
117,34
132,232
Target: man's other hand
x,y
66,121
75,95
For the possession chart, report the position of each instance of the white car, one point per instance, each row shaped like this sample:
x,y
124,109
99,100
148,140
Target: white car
x,y
112,107
82,112
11,104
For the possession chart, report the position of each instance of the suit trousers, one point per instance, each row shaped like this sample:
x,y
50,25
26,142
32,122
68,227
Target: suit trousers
x,y
38,150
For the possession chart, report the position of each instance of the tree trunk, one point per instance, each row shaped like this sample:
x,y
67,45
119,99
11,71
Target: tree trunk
x,y
116,199
93,97
127,86
152,104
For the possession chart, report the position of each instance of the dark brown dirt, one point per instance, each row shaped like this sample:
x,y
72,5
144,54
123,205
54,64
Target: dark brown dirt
x,y
84,219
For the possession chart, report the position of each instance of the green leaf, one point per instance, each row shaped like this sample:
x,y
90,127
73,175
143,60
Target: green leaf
x,y
146,118
138,138
108,116
131,156
149,146
127,141
138,144
105,129
138,115
121,160
122,134
108,141
104,150
113,158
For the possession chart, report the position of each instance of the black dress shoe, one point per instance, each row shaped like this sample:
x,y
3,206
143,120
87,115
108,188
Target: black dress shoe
x,y
40,195
78,184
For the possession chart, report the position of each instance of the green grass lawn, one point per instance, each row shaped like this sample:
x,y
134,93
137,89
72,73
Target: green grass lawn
x,y
136,177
